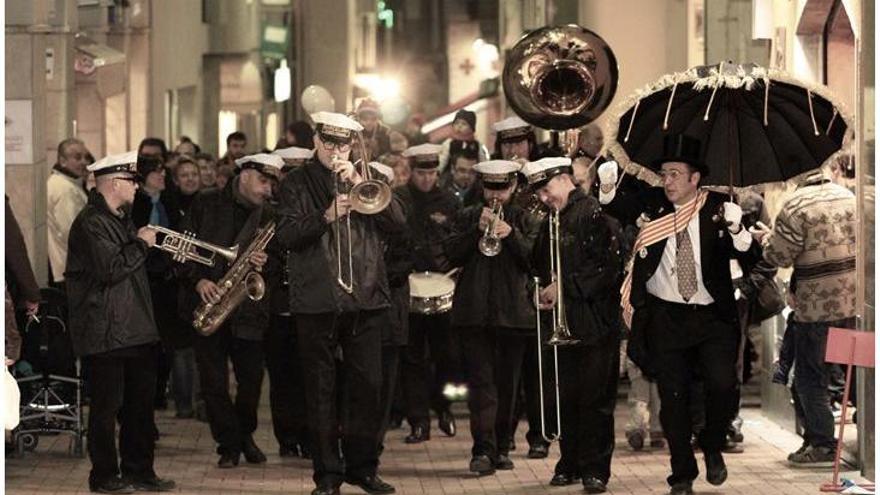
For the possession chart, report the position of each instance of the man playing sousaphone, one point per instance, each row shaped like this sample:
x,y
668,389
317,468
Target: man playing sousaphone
x,y
491,310
339,298
590,265
430,210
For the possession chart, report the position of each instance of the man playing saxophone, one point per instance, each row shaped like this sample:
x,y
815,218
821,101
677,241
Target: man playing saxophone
x,y
589,267
226,217
339,297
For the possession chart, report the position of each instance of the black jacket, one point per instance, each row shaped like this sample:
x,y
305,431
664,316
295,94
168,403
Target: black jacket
x,y
429,218
223,218
493,291
592,267
107,285
305,194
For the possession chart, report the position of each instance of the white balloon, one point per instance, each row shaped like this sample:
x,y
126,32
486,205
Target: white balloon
x,y
317,99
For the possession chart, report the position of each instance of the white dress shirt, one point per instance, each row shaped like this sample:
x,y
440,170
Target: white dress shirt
x,y
664,283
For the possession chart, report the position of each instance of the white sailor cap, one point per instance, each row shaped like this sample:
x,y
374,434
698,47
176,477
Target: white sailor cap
x,y
335,126
122,162
512,129
497,174
541,171
294,153
386,171
424,155
265,163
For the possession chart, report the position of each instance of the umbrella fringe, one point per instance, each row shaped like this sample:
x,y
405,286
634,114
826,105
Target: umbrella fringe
x,y
739,79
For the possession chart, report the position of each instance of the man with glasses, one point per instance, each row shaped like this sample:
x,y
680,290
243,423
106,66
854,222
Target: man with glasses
x,y
315,209
678,299
113,329
65,197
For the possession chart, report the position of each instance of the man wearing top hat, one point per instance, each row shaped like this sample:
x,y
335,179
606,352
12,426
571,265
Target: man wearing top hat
x,y
113,329
679,300
492,310
430,211
327,316
591,266
227,217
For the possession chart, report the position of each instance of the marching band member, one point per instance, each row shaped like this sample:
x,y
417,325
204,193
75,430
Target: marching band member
x,y
515,140
591,266
491,310
430,211
113,329
227,217
327,316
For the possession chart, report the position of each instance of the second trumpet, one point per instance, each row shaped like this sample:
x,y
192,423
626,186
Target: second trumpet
x,y
490,243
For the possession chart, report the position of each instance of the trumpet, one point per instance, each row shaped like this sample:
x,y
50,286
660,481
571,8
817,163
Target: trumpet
x,y
184,247
490,244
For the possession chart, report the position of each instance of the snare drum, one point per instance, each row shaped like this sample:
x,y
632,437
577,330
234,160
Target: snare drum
x,y
430,293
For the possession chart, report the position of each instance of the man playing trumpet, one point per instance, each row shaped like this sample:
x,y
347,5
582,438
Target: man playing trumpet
x,y
589,266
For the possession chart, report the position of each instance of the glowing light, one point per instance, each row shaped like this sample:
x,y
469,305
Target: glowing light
x,y
379,88
282,82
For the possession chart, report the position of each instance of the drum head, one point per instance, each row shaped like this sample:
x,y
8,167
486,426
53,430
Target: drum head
x,y
430,284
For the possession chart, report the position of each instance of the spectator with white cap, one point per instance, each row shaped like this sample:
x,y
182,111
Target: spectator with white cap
x,y
113,330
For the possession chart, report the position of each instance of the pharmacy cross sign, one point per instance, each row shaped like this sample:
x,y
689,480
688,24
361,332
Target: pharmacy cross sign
x,y
467,66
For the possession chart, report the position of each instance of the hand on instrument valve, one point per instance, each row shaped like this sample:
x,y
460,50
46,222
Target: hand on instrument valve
x,y
547,298
208,291
148,235
347,173
485,218
341,206
258,259
733,215
502,229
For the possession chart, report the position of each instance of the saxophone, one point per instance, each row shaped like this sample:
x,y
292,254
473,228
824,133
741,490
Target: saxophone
x,y
242,280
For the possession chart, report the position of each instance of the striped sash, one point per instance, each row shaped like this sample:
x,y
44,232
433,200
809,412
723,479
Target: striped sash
x,y
653,232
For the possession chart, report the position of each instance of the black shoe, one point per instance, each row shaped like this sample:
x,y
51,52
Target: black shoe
x,y
371,484
154,484
304,452
716,471
538,451
112,485
419,434
446,423
251,452
635,439
563,479
288,450
731,447
482,465
326,490
682,488
594,485
228,460
503,463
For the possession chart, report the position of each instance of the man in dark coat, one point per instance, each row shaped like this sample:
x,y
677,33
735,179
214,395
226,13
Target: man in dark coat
x,y
590,266
491,309
430,211
329,315
227,217
113,329
679,298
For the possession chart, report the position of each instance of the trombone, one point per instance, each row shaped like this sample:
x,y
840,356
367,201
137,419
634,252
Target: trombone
x,y
369,197
490,244
561,335
185,247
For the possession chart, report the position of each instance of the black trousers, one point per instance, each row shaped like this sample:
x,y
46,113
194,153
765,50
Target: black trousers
x,y
123,384
587,396
692,344
359,336
428,335
230,422
390,375
286,395
528,399
492,362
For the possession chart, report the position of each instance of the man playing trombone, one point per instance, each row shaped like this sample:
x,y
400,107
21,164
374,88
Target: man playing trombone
x,y
338,296
491,309
577,256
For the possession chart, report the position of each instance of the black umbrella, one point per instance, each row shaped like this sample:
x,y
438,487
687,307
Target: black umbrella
x,y
756,125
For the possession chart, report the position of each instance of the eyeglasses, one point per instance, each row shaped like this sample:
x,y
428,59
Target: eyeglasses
x,y
331,145
672,175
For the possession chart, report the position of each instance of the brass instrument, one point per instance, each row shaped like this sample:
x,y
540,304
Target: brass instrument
x,y
184,247
559,78
369,197
242,280
490,244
